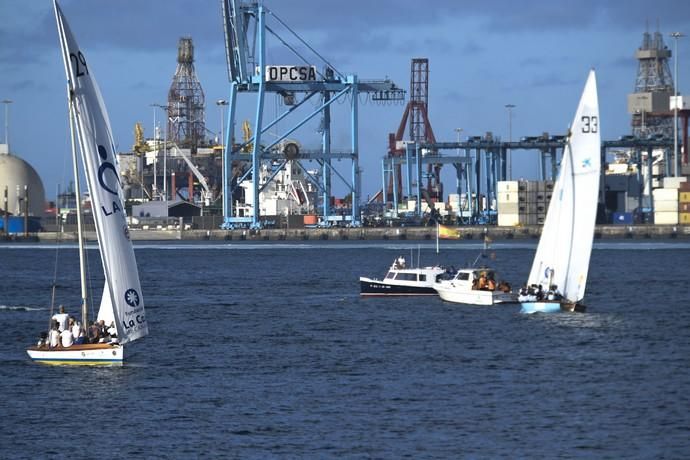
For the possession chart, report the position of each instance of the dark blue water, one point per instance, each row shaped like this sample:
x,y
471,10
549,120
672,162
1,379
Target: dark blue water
x,y
267,351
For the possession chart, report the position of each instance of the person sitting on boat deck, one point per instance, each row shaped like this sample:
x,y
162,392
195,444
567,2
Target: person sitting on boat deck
x,y
103,332
77,331
553,294
482,282
503,286
491,283
540,293
400,263
54,335
42,340
523,294
66,338
112,332
94,333
61,318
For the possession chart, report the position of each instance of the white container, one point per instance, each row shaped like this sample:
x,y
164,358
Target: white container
x,y
508,208
665,206
507,186
665,194
507,197
673,182
665,217
454,198
508,220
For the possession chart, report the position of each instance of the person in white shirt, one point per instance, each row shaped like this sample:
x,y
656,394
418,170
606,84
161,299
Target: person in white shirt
x,y
53,337
77,334
66,338
61,318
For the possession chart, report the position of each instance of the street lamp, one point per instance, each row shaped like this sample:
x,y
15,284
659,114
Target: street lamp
x,y
676,162
220,103
7,103
165,150
510,108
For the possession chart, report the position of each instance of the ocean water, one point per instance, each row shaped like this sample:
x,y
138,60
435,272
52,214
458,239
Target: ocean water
x,y
268,351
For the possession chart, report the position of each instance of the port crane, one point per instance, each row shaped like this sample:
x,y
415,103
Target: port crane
x,y
247,28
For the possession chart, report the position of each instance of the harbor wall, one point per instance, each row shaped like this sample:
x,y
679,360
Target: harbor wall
x,y
380,233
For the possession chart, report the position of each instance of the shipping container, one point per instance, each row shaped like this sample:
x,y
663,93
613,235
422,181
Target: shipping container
x,y
684,218
665,205
673,182
665,194
666,218
508,220
507,186
15,224
684,197
507,197
508,208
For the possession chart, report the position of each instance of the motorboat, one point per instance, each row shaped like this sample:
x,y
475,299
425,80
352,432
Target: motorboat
x,y
402,279
475,286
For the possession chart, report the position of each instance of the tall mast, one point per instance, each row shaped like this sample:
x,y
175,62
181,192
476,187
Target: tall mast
x,y
80,229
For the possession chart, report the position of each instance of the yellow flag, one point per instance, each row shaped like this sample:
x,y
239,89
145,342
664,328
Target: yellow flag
x,y
448,233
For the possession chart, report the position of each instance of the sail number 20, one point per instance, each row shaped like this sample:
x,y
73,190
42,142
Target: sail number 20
x,y
590,124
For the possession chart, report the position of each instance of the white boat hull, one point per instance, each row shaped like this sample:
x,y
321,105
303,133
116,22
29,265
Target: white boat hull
x,y
79,355
474,297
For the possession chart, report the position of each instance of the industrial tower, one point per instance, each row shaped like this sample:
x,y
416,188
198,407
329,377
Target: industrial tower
x,y
649,105
186,110
420,131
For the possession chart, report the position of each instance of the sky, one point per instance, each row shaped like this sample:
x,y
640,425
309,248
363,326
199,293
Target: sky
x,y
482,56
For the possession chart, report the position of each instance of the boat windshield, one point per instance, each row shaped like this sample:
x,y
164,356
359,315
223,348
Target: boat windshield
x,y
390,275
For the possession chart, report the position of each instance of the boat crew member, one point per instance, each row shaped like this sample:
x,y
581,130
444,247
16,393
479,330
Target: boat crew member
x,y
61,318
54,335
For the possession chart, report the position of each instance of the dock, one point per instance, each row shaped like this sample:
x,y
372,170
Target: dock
x,y
476,233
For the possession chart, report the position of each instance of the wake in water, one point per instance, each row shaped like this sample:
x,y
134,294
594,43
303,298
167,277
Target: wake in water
x,y
19,308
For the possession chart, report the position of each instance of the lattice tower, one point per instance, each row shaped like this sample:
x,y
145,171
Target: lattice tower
x,y
419,98
186,104
653,76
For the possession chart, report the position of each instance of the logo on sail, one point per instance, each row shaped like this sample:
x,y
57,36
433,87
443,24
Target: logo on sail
x,y
132,298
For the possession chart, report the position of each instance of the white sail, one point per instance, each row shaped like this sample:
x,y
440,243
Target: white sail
x,y
102,173
565,246
106,311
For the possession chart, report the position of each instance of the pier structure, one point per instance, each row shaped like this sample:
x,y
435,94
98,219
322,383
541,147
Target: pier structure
x,y
313,79
480,163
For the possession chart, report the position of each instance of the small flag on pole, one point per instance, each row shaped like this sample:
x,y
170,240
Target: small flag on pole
x,y
448,233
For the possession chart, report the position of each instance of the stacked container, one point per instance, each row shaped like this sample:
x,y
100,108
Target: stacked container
x,y
508,203
665,206
523,202
684,203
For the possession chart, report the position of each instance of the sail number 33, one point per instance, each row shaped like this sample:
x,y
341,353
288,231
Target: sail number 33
x,y
590,124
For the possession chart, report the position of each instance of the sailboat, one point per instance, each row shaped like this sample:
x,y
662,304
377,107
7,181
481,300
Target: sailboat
x,y
558,276
122,301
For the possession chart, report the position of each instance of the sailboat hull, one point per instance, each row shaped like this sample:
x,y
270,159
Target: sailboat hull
x,y
550,307
97,354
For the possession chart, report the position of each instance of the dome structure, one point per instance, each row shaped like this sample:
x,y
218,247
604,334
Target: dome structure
x,y
16,173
